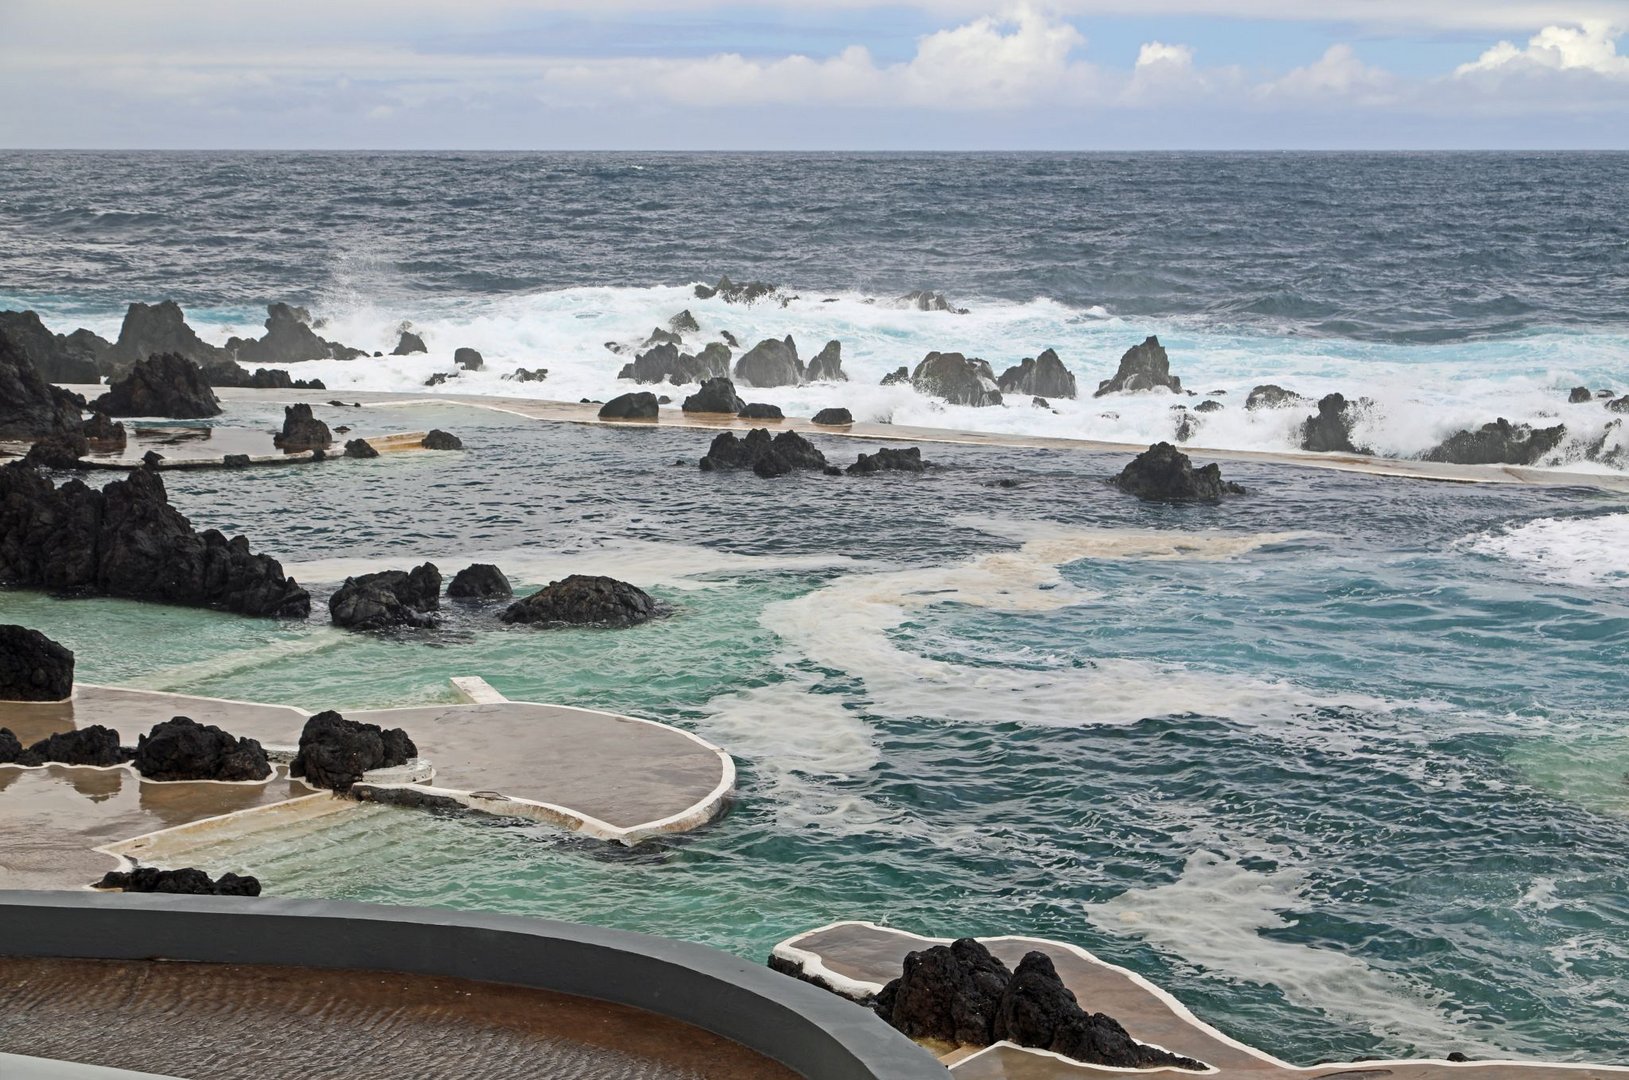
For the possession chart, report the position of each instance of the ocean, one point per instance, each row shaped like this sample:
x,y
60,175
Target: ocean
x,y
1340,762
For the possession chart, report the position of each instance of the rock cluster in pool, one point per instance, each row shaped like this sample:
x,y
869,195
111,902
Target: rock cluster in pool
x,y
335,752
187,881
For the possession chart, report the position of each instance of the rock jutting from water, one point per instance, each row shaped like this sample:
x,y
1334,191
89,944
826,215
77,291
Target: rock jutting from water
x,y
289,339
30,407
927,300
104,434
164,384
749,292
360,448
770,363
897,376
152,329
57,452
684,323
1498,443
58,358
827,366
183,749
1271,396
126,540
757,410
302,431
335,752
387,599
1580,394
889,459
408,344
1330,431
468,359
957,379
526,375
1142,367
1162,473
33,667
1040,376
441,440
636,406
480,581
715,396
833,417
584,600
96,745
187,881
765,456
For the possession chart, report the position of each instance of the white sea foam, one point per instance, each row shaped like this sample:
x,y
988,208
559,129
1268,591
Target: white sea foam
x,y
1422,393
1574,550
1213,916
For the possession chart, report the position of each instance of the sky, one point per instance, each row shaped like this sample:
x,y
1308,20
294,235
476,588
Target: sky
x,y
813,75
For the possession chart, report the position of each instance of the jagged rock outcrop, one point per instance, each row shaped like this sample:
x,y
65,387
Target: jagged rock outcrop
x,y
57,452
58,358
1211,406
684,323
480,581
335,752
94,745
361,449
165,384
947,993
715,396
437,439
527,375
958,379
765,456
748,292
104,434
654,365
833,417
152,329
1162,473
827,366
289,339
126,540
1041,376
889,459
1330,431
770,363
637,406
30,407
658,336
1143,367
1580,394
408,343
388,598
897,376
187,881
1498,443
758,410
183,749
468,359
439,378
302,431
926,300
1271,396
33,667
260,379
1619,405
712,362
584,600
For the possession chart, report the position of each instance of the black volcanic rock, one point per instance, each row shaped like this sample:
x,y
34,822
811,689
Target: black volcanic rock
x,y
827,366
1271,396
58,451
302,431
187,881
408,344
335,752
1580,394
764,455
770,363
1162,473
926,300
165,384
155,329
468,359
889,459
30,407
658,336
94,745
360,448
480,581
833,417
289,339
958,379
1143,367
58,359
1330,431
656,364
638,406
757,410
1209,406
947,993
104,434
749,292
1498,443
584,600
1042,376
1619,405
183,749
126,540
33,667
712,362
715,396
441,440
897,376
684,323
387,598
11,751
527,375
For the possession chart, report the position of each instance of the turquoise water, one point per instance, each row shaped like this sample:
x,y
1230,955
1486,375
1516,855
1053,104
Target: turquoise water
x,y
1341,763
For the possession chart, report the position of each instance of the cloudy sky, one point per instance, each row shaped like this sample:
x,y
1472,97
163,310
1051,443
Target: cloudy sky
x,y
815,74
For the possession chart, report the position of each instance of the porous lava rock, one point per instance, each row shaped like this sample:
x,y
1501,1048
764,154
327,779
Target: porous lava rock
x,y
442,440
183,749
188,881
889,459
1142,367
1041,376
388,598
1162,473
480,581
636,406
164,384
334,752
33,667
715,396
302,431
584,600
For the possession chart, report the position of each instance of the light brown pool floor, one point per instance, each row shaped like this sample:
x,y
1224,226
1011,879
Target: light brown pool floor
x,y
241,1022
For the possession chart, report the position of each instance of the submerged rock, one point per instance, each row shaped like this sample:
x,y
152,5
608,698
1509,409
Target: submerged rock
x,y
1498,443
749,292
183,749
1143,367
757,410
947,993
30,407
441,440
639,406
335,752
126,540
715,396
833,417
440,378
1271,396
58,359
889,459
1162,473
480,581
584,600
302,431
827,366
166,384
387,599
957,379
187,881
771,363
33,667
1042,376
95,745
468,359
408,344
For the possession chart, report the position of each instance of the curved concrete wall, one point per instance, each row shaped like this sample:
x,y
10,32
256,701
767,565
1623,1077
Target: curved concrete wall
x,y
814,1033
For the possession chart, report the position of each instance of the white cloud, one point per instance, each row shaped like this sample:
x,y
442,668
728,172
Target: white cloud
x,y
1337,75
1591,47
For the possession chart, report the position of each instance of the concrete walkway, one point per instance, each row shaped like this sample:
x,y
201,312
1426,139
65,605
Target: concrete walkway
x,y
858,958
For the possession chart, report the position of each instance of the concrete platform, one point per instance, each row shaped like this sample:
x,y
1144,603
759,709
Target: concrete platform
x,y
856,959
606,776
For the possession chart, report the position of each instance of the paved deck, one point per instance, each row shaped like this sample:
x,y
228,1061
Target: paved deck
x,y
229,1022
607,776
857,958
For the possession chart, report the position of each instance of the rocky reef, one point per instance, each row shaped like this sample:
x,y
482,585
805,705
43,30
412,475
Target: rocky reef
x,y
95,745
30,407
1142,367
889,459
1162,473
388,598
289,339
1042,376
1498,443
748,292
584,600
957,379
764,455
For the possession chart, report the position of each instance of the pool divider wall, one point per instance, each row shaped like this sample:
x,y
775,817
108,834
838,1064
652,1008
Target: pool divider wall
x,y
814,1033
